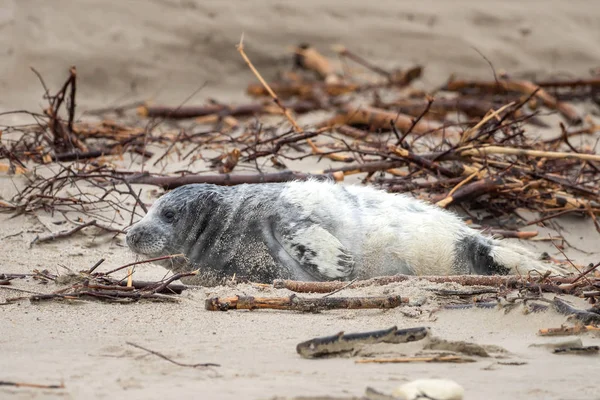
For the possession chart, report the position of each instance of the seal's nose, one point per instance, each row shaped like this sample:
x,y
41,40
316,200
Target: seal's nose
x,y
132,238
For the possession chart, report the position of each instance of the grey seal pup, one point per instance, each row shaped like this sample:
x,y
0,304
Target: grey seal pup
x,y
315,231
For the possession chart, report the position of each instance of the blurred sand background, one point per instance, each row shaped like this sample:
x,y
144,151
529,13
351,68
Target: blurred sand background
x,y
163,51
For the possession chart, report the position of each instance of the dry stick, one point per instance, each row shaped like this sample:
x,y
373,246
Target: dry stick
x,y
39,76
513,234
356,58
480,151
62,234
164,285
171,182
414,122
567,331
551,216
340,289
308,58
95,266
129,277
107,287
296,303
565,138
451,359
366,167
144,262
377,118
71,109
421,161
465,280
57,128
217,109
117,295
31,385
583,274
172,288
466,135
524,87
464,182
80,155
286,112
156,353
570,83
135,196
471,191
279,143
240,48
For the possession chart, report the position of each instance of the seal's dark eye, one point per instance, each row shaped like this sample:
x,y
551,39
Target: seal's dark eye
x,y
169,215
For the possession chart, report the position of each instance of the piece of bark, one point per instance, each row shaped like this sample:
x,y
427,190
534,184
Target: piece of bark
x,y
340,343
578,350
586,317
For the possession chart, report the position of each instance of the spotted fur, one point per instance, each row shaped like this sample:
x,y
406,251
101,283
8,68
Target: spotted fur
x,y
316,231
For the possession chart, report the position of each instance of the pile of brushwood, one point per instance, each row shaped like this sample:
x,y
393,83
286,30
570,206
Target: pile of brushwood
x,y
487,148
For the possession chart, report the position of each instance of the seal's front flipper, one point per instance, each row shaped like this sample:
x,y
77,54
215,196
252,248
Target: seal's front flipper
x,y
319,253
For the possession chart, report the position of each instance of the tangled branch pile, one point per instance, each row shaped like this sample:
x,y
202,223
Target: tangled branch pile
x,y
472,144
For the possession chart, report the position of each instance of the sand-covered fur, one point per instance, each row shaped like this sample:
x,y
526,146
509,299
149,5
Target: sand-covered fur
x,y
316,231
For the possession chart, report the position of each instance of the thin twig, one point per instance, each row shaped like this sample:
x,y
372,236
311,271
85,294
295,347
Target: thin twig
x,y
340,289
286,112
144,262
31,385
156,353
583,274
62,234
95,266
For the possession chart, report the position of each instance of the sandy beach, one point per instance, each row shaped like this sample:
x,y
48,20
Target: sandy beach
x,y
163,51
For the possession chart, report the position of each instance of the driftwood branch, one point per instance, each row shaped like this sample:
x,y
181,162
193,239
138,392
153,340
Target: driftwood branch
x,y
586,317
511,281
295,303
523,87
171,182
328,345
402,360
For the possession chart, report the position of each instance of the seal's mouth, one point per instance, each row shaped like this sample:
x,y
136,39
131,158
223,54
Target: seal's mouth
x,y
142,242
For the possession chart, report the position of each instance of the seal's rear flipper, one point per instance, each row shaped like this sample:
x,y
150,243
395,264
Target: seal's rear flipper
x,y
520,260
318,252
486,256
